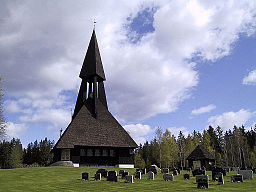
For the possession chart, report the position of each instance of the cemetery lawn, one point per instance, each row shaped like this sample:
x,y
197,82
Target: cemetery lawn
x,y
69,179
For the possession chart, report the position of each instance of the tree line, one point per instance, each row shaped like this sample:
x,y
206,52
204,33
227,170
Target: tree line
x,y
166,150
12,155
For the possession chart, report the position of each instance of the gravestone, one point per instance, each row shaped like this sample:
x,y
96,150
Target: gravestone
x,y
86,176
178,170
227,169
198,172
143,171
112,176
129,179
121,172
168,177
242,159
137,175
97,176
254,170
165,170
104,172
202,181
124,174
220,179
175,172
151,175
247,174
237,178
216,171
186,176
153,168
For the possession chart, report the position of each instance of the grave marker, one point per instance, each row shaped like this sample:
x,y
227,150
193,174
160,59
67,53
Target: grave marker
x,y
129,179
86,176
151,175
168,177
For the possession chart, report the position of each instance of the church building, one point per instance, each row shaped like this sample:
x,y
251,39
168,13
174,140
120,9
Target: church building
x,y
94,136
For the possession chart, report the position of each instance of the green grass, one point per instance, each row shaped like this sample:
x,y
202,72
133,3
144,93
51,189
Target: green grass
x,y
69,179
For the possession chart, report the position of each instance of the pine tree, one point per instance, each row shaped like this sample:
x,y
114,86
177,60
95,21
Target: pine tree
x,y
139,161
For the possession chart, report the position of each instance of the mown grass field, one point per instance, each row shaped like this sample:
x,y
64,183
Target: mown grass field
x,y
69,179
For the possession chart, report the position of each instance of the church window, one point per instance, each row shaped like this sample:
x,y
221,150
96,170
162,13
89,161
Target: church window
x,y
97,152
105,152
82,152
112,153
90,152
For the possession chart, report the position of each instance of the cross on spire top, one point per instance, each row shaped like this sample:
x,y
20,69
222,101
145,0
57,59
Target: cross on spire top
x,y
94,23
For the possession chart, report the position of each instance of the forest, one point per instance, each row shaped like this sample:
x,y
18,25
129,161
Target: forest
x,y
166,150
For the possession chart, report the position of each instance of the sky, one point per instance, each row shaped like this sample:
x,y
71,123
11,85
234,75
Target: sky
x,y
182,64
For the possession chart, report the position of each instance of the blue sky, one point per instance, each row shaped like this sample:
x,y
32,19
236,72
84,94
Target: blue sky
x,y
181,65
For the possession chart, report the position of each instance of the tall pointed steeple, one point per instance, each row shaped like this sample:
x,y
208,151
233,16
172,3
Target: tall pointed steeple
x,y
92,75
92,62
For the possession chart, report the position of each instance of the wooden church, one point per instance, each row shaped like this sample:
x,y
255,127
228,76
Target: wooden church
x,y
94,136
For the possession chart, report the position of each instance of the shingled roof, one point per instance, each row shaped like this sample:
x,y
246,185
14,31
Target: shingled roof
x,y
92,124
200,153
85,130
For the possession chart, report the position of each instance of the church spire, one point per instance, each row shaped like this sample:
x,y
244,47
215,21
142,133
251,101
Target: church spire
x,y
92,62
92,75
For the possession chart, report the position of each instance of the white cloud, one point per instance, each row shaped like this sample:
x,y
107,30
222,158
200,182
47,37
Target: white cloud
x,y
201,110
176,131
227,120
14,130
42,46
138,132
250,79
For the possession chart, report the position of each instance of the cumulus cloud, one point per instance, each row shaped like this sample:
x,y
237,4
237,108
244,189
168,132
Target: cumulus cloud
x,y
15,130
42,46
227,120
138,132
176,131
250,79
201,110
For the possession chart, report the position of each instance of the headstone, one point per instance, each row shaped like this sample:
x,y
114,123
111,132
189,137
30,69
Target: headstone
x,y
168,177
86,176
121,172
112,176
178,170
104,172
216,171
153,168
165,170
143,171
124,174
97,176
129,178
137,175
202,181
186,176
242,160
175,172
198,172
220,179
247,174
151,175
237,178
254,170
227,169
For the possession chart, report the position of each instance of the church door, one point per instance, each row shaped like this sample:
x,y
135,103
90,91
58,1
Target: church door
x,y
65,155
